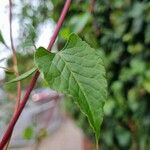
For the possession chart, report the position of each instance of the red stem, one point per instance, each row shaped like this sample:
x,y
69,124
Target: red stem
x,y
59,24
13,121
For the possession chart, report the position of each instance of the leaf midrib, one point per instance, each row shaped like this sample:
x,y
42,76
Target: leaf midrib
x,y
68,66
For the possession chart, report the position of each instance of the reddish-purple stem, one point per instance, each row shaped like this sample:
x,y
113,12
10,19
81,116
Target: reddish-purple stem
x,y
13,121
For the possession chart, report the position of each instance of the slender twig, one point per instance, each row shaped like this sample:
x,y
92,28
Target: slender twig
x,y
97,146
13,121
6,46
15,66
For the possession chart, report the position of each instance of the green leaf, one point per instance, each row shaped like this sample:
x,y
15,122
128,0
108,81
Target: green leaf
x,y
28,133
7,70
1,38
23,76
77,70
78,26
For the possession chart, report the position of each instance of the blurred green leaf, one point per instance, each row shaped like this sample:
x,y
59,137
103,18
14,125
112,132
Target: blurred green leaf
x,y
78,22
65,33
23,76
109,107
28,133
8,70
1,38
123,136
135,49
28,40
147,34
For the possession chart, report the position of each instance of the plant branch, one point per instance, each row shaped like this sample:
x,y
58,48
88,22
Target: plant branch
x,y
59,24
15,66
13,121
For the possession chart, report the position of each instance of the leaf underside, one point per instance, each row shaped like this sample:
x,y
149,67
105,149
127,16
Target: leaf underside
x,y
77,70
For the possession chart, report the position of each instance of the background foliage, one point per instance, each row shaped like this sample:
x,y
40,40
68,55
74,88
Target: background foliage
x,y
120,29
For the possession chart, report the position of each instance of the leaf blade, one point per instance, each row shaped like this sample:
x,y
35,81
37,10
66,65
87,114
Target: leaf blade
x,y
78,71
1,38
23,76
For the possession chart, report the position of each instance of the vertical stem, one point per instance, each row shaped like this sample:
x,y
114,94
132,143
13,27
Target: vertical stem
x,y
97,144
15,66
97,147
13,121
59,24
